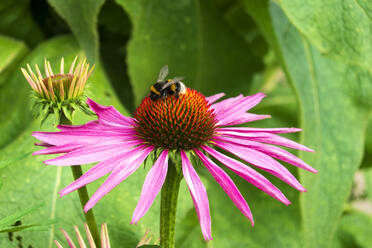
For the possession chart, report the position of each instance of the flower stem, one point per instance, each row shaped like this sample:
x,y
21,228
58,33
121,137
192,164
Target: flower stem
x,y
168,205
83,194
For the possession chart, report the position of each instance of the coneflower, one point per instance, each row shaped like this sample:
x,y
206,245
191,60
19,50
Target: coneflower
x,y
182,127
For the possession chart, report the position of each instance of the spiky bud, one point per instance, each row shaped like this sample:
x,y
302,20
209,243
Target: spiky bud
x,y
61,93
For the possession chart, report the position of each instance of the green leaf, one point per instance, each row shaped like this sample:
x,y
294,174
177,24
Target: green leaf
x,y
10,219
357,226
339,29
15,228
11,51
7,223
82,17
14,116
16,21
231,229
333,122
194,40
30,182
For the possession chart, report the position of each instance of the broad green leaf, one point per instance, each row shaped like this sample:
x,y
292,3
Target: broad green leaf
x,y
16,21
333,122
357,227
194,40
11,51
29,181
275,224
340,29
13,94
82,17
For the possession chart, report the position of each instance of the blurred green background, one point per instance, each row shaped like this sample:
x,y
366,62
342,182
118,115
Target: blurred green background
x,y
313,59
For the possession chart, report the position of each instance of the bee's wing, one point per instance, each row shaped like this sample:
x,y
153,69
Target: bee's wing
x,y
174,80
177,79
167,84
163,73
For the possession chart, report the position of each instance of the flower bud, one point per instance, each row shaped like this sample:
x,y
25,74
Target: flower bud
x,y
60,93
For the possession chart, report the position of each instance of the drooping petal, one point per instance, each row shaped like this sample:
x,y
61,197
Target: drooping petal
x,y
57,149
227,185
263,162
109,115
242,118
120,173
92,153
226,104
248,174
90,125
83,137
153,183
273,151
98,171
267,138
266,130
95,125
198,194
241,106
212,99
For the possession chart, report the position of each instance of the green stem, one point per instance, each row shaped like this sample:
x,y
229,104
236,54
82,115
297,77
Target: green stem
x,y
77,172
168,205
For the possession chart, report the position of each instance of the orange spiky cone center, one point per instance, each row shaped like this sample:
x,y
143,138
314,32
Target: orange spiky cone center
x,y
185,122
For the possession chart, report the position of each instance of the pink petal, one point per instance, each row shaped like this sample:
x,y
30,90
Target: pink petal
x,y
58,244
153,183
267,138
198,194
266,130
263,162
227,185
224,105
248,174
57,149
93,153
212,99
99,171
109,115
89,125
68,239
120,173
243,118
82,137
95,125
272,151
242,106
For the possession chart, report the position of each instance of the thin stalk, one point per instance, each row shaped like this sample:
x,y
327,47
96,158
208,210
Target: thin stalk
x,y
77,172
168,205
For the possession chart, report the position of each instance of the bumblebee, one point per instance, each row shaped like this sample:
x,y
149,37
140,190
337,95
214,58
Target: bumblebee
x,y
162,88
